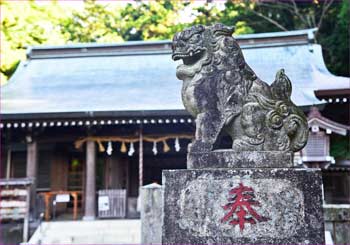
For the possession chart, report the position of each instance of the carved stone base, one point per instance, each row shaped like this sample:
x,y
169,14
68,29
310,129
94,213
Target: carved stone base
x,y
244,159
242,206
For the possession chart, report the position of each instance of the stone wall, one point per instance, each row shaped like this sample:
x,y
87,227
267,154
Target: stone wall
x,y
337,221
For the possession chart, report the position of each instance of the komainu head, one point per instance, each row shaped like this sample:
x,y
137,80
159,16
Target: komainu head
x,y
204,49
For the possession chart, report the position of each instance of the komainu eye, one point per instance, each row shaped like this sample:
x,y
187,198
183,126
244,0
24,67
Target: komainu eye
x,y
195,38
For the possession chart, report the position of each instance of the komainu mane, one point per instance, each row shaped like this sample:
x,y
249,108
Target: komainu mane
x,y
225,95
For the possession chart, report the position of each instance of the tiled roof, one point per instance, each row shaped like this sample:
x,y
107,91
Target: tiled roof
x,y
139,76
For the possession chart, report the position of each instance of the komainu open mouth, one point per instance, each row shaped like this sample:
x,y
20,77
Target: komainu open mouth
x,y
189,58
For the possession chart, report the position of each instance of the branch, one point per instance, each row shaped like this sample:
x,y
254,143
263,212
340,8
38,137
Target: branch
x,y
276,5
269,20
288,5
296,11
324,10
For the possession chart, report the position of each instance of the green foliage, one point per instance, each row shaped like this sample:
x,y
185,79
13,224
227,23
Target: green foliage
x,y
230,15
99,22
24,24
340,147
153,20
269,16
334,38
94,23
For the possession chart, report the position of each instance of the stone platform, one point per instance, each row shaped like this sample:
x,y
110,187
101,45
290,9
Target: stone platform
x,y
242,206
244,159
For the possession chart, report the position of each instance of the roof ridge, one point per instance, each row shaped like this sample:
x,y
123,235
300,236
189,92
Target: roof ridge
x,y
296,37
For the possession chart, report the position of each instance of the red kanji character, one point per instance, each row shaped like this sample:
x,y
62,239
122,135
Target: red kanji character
x,y
241,204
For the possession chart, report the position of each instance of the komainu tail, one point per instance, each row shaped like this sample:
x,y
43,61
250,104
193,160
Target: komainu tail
x,y
297,130
282,87
295,123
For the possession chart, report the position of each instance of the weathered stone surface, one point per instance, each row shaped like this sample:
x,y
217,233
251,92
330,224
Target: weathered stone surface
x,y
337,212
246,195
337,221
226,97
151,214
244,159
342,233
286,206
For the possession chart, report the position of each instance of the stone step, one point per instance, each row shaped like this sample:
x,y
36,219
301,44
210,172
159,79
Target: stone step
x,y
88,232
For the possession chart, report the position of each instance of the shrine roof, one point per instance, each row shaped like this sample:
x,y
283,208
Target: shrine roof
x,y
315,118
137,77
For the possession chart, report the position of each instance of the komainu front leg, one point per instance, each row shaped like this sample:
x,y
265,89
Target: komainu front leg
x,y
208,128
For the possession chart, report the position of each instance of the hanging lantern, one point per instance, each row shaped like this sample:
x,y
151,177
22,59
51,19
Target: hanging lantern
x,y
131,150
123,148
166,148
75,163
109,148
155,151
177,145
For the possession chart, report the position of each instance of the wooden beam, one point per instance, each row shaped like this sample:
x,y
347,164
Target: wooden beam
x,y
90,195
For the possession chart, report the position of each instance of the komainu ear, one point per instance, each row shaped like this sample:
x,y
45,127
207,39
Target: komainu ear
x,y
220,29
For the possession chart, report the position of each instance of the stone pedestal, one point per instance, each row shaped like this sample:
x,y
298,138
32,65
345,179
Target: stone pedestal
x,y
243,205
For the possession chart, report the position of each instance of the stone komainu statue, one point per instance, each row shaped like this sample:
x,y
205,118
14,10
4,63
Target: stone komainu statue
x,y
225,95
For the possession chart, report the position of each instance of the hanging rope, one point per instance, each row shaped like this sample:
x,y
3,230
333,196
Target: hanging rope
x,y
78,144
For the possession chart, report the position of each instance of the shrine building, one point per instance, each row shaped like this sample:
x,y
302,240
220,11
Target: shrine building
x,y
88,120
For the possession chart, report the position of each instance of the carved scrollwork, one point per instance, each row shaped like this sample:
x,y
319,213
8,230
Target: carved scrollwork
x,y
274,120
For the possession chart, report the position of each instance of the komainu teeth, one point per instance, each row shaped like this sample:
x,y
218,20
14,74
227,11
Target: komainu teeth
x,y
191,53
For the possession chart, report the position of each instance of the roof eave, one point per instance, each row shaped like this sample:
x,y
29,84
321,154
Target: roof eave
x,y
332,93
92,114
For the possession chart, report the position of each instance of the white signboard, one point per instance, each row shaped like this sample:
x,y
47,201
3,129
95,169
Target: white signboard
x,y
103,203
62,198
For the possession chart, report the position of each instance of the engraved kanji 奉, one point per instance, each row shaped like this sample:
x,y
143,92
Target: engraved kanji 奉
x,y
240,205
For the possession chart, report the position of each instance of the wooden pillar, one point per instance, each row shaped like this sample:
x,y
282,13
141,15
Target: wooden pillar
x,y
90,190
32,167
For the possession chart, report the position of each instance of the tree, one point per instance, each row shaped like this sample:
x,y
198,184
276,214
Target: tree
x,y
94,23
24,24
230,15
154,20
100,22
334,38
329,16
